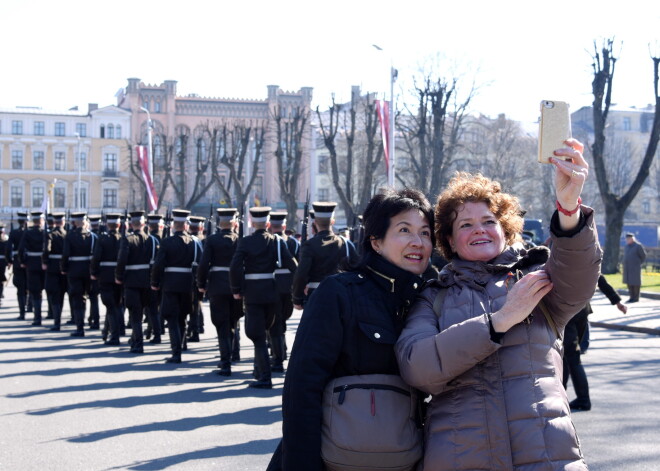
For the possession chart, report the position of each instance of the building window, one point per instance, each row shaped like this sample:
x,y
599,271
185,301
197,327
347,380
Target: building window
x,y
111,131
17,159
59,129
37,196
17,127
118,131
39,128
102,132
16,195
81,129
145,105
109,162
646,207
323,164
627,125
59,198
109,197
324,194
83,162
157,107
82,203
38,160
60,161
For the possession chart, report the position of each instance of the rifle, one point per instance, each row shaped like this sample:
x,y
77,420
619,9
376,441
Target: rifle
x,y
241,217
217,222
305,221
168,221
67,225
209,222
102,225
11,224
125,224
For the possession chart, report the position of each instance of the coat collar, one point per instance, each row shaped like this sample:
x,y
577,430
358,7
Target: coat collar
x,y
400,285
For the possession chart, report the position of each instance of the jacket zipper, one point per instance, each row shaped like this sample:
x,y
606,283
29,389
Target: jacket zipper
x,y
342,390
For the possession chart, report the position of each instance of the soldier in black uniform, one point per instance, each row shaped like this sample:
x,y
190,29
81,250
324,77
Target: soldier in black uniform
x,y
94,316
102,270
3,261
251,275
321,255
284,281
196,323
78,248
172,272
137,251
155,323
55,281
30,252
213,279
11,254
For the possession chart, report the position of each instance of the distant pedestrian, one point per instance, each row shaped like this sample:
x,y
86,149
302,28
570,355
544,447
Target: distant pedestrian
x,y
633,257
575,335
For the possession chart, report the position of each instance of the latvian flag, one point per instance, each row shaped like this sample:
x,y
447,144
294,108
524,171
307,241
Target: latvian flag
x,y
143,161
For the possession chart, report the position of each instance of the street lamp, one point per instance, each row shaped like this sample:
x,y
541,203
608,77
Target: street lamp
x,y
390,144
78,195
149,130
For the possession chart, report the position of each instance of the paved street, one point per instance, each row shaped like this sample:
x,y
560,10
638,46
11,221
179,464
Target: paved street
x,y
76,404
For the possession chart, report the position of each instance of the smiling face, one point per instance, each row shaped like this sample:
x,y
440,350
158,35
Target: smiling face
x,y
476,233
407,242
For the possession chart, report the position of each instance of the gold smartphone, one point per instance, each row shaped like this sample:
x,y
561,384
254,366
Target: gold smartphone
x,y
554,128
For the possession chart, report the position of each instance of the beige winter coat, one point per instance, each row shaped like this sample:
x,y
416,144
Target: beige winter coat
x,y
499,406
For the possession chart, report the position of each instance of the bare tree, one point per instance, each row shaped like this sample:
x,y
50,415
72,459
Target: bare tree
x,y
290,132
616,204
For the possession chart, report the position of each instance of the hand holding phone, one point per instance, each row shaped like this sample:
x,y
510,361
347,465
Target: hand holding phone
x,y
554,128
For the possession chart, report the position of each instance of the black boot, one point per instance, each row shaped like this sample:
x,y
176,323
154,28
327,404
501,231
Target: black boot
x,y
21,306
225,356
277,347
262,364
236,345
57,316
36,307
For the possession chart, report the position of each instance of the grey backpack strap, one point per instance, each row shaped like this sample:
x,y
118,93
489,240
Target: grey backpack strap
x,y
439,301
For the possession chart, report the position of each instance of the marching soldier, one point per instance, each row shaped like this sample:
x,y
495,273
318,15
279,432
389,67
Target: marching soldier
x,y
94,316
11,254
137,251
284,281
321,255
102,270
213,279
78,248
155,324
196,324
50,225
3,261
251,275
30,252
172,273
55,281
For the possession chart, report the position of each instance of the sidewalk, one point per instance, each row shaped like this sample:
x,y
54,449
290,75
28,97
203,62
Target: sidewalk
x,y
643,316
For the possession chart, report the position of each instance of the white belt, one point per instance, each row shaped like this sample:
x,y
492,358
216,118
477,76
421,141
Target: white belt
x,y
144,266
178,269
282,271
108,264
56,256
80,259
34,254
218,268
313,284
259,276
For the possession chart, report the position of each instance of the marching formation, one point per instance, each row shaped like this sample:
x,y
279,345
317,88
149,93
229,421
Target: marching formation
x,y
160,269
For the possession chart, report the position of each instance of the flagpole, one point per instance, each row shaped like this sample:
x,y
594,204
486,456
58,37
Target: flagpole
x,y
149,156
392,168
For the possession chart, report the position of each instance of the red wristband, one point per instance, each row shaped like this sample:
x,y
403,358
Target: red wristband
x,y
569,213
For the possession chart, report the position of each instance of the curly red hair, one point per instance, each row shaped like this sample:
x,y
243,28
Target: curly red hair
x,y
468,188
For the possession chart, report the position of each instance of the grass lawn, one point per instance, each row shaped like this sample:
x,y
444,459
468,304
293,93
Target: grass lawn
x,y
650,281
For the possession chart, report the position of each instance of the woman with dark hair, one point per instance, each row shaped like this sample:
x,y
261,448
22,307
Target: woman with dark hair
x,y
485,339
353,319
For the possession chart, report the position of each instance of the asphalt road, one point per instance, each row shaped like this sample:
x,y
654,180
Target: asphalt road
x,y
75,404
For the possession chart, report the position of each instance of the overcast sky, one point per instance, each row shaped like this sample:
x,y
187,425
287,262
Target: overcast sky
x,y
58,54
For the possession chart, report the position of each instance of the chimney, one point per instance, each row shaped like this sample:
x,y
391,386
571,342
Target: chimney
x,y
92,107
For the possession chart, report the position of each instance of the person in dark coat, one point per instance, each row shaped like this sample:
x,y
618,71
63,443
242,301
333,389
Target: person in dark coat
x,y
252,278
94,318
77,252
634,256
196,321
213,279
102,270
30,251
321,255
352,320
19,278
55,282
574,335
155,324
3,261
172,272
137,251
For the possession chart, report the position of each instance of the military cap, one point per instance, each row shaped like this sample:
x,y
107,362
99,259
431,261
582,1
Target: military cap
x,y
226,214
260,213
180,215
57,215
79,216
278,218
21,215
199,220
311,214
94,218
36,214
324,209
154,218
113,218
630,234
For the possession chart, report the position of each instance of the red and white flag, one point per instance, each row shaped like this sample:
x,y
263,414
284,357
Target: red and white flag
x,y
143,161
382,108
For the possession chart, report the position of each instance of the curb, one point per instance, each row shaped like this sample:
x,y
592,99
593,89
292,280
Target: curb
x,y
627,328
643,294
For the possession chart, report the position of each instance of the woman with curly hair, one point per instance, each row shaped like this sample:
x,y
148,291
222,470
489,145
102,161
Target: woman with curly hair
x,y
485,339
